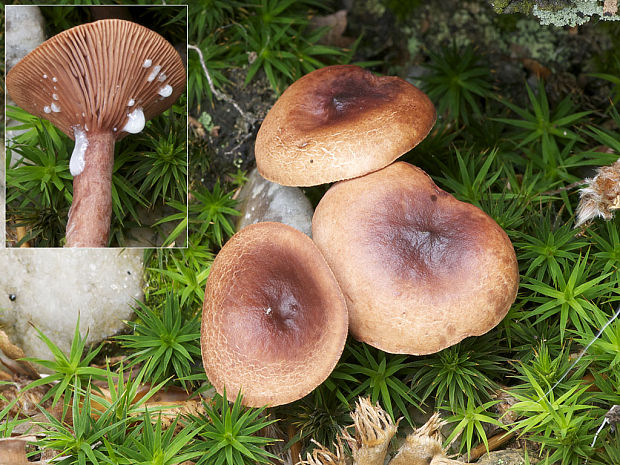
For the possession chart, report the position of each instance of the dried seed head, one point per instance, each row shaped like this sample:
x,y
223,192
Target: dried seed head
x,y
602,195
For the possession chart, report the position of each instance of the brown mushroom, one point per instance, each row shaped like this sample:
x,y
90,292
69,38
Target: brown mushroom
x,y
97,82
274,321
419,269
340,122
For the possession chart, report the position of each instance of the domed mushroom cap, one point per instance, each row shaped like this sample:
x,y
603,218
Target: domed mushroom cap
x,y
340,122
274,321
420,269
98,76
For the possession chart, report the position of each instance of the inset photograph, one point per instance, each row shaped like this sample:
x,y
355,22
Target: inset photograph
x,y
96,140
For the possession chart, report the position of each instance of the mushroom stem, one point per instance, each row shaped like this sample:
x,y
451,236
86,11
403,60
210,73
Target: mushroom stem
x,y
90,213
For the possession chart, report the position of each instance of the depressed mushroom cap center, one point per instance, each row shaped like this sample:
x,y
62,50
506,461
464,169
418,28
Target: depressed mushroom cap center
x,y
420,237
283,306
344,100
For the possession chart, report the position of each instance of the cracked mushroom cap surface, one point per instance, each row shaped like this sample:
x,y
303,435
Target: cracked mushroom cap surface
x,y
274,321
99,77
340,122
420,270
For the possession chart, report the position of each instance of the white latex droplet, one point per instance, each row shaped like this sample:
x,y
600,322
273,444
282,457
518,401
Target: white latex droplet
x,y
162,77
147,63
136,121
78,160
47,109
154,73
55,96
45,76
131,102
54,79
55,108
165,91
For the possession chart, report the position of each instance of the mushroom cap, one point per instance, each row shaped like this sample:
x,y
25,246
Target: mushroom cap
x,y
420,270
86,76
274,321
340,122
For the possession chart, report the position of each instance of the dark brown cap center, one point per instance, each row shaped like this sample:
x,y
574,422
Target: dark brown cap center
x,y
284,313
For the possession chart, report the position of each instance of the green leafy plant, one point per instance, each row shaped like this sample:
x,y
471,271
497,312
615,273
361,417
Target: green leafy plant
x,y
543,124
228,435
153,445
211,213
474,177
470,421
76,440
547,251
604,352
184,272
547,367
570,296
607,246
372,372
125,397
165,344
563,425
38,169
547,134
8,424
465,370
458,82
163,169
275,31
65,370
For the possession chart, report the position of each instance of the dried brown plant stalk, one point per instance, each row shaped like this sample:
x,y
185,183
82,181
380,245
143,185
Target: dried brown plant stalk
x,y
323,456
373,431
602,195
423,446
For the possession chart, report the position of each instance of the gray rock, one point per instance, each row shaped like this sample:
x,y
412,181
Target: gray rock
x,y
505,457
2,198
25,31
263,200
51,287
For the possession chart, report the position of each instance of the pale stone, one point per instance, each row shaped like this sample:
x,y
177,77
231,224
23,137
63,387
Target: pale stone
x,y
25,31
51,287
262,200
2,198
